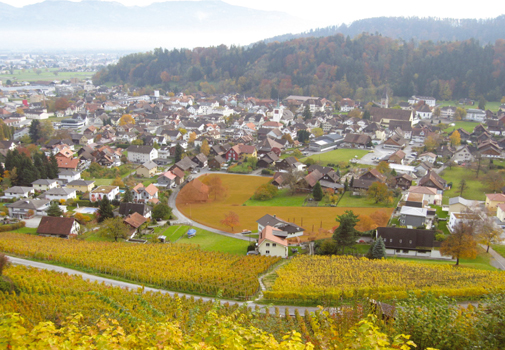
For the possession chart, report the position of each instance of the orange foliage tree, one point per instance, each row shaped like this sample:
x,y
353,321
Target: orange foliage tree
x,y
216,189
231,220
380,217
366,223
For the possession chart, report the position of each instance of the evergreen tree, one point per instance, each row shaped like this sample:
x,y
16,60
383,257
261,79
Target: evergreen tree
x,y
345,234
54,210
52,173
369,254
34,130
128,197
317,192
105,209
38,162
1,170
379,249
306,113
178,152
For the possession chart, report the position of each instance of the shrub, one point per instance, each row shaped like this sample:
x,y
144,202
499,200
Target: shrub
x,y
12,227
265,192
3,262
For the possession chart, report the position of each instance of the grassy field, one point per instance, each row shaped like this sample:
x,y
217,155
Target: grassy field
x,y
103,182
241,188
492,106
468,126
475,189
350,201
30,75
499,248
481,262
283,199
29,230
336,156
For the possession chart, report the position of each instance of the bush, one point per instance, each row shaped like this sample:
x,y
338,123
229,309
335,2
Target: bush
x,y
12,227
83,203
7,286
4,261
267,172
265,192
251,247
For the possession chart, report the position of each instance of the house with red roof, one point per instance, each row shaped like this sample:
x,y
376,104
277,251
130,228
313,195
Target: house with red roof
x,y
493,199
143,194
271,245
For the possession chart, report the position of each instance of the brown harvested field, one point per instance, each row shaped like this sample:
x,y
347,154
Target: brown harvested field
x,y
240,188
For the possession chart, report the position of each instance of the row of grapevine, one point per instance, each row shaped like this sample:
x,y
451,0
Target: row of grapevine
x,y
332,278
179,267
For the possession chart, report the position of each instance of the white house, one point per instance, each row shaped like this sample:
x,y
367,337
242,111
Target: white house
x,y
67,175
111,192
18,192
456,219
60,193
44,184
270,244
141,154
430,101
143,194
26,208
476,115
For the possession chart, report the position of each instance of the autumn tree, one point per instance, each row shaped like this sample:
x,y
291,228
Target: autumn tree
x,y
317,132
461,243
192,137
265,192
217,190
455,138
494,180
126,119
431,143
231,220
460,113
115,228
118,182
61,104
288,138
383,167
379,192
489,233
355,113
345,234
437,112
205,148
380,217
162,211
365,223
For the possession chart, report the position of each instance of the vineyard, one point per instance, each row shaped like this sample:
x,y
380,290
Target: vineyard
x,y
47,296
178,267
319,279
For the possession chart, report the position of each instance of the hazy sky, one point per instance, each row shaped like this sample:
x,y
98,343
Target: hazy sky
x,y
328,12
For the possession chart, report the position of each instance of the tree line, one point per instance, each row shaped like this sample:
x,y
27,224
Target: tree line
x,y
331,67
22,170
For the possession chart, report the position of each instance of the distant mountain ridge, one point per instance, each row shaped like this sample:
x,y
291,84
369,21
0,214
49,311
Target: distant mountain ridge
x,y
413,28
108,15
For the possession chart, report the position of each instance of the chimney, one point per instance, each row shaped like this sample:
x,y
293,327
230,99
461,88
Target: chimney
x,y
275,215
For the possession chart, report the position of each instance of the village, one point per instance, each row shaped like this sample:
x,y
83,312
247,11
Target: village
x,y
382,154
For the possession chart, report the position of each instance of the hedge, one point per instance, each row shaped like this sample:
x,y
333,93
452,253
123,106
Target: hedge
x,y
12,227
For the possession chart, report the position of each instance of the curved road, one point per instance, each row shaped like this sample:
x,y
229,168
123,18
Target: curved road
x,y
126,285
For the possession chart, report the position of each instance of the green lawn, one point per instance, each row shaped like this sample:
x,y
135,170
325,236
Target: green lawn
x,y
336,156
361,202
475,189
103,182
440,212
442,225
214,242
30,75
281,200
482,262
29,230
499,248
492,106
468,126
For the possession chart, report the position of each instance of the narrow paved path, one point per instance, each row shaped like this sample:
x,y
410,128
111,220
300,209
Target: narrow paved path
x,y
497,260
132,286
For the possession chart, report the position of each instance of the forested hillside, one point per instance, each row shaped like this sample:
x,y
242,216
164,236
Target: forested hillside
x,y
413,28
332,67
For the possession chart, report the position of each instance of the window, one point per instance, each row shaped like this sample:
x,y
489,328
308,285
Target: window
x,y
268,244
400,241
410,242
267,252
274,244
405,251
390,240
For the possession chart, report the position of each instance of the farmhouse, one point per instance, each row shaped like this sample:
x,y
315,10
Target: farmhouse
x,y
409,242
58,227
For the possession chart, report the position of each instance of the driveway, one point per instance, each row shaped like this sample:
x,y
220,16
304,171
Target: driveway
x,y
33,222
